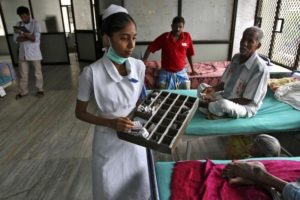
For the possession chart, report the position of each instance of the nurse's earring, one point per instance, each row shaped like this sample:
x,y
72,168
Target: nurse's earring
x,y
106,42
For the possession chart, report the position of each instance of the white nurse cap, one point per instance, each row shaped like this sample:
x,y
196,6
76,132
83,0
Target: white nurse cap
x,y
112,9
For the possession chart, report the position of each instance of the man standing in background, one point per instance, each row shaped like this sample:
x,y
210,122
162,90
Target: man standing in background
x,y
176,46
27,34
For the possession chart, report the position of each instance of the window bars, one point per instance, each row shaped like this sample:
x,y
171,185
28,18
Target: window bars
x,y
279,19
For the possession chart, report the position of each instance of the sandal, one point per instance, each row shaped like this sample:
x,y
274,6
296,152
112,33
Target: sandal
x,y
40,94
19,96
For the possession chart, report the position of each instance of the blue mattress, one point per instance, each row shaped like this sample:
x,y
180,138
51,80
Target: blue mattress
x,y
164,171
274,116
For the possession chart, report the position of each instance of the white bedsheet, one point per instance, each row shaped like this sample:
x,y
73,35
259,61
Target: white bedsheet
x,y
289,94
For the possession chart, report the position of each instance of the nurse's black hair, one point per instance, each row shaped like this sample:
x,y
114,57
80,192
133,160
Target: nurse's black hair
x,y
115,23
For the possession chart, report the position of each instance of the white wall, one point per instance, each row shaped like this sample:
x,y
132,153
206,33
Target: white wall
x,y
105,3
208,19
83,16
152,17
245,19
48,14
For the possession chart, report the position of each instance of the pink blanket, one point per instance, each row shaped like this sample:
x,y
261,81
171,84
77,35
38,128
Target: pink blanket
x,y
207,72
194,180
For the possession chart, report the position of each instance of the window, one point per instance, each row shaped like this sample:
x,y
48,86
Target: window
x,y
1,27
67,16
94,18
65,2
280,21
68,19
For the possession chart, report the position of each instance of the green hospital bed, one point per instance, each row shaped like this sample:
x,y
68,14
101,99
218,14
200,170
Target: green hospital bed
x,y
273,117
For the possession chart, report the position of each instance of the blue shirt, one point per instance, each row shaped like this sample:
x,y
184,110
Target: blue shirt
x,y
291,191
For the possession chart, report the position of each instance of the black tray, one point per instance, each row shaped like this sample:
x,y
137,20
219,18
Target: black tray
x,y
168,120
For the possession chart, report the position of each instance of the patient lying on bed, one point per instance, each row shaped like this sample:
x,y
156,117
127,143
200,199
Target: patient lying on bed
x,y
243,85
256,173
260,146
265,146
207,180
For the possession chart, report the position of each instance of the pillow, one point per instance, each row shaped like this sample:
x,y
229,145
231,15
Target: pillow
x,y
275,83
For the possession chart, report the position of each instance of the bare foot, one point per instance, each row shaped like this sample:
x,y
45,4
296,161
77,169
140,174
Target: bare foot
x,y
211,116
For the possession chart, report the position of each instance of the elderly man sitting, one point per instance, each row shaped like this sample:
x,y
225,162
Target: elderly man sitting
x,y
243,85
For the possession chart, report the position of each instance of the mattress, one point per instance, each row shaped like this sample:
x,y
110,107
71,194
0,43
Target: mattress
x,y
208,72
274,116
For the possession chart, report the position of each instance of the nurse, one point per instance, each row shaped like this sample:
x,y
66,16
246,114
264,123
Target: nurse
x,y
115,81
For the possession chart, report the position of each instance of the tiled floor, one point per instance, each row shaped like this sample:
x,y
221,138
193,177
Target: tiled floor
x,y
45,152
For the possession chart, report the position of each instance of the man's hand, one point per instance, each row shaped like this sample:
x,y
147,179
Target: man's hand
x,y
21,39
209,94
25,37
17,30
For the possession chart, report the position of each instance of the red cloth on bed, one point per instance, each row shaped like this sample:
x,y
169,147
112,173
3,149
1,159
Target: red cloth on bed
x,y
195,180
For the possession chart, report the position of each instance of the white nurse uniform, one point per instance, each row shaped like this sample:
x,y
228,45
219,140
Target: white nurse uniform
x,y
119,167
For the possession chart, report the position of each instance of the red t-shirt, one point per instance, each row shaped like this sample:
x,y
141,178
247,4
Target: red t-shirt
x,y
174,52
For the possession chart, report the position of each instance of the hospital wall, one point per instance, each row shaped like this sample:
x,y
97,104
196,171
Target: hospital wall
x,y
210,22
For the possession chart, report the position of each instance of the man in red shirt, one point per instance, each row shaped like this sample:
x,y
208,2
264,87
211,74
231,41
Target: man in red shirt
x,y
176,46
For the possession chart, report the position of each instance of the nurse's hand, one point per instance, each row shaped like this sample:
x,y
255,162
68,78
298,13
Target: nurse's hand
x,y
122,124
